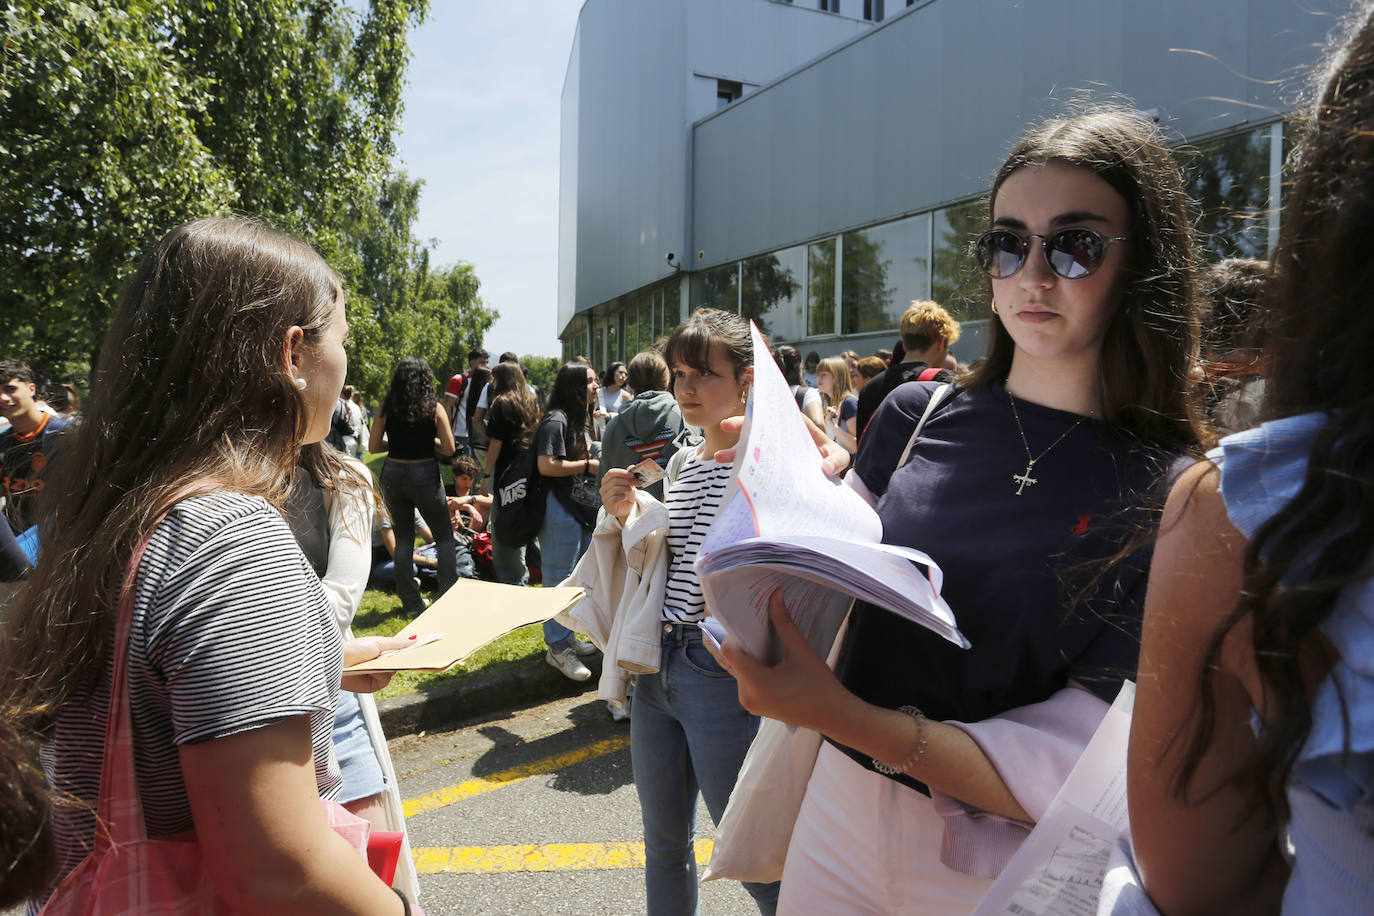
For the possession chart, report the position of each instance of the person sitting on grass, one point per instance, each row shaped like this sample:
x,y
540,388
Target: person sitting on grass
x,y
466,508
384,552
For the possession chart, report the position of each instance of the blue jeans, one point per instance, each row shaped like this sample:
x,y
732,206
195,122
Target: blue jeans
x,y
562,541
687,733
406,487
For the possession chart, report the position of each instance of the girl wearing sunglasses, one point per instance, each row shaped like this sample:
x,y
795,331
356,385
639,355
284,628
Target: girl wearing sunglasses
x,y
1026,486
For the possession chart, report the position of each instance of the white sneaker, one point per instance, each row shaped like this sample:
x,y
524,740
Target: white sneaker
x,y
567,663
583,648
620,713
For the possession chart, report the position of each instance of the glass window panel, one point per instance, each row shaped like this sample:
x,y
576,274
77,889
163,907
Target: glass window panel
x,y
717,288
647,332
598,354
1228,181
956,282
773,293
632,328
612,341
820,291
884,268
672,308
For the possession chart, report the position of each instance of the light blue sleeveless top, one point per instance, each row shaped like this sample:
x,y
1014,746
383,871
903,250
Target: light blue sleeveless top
x,y
1331,794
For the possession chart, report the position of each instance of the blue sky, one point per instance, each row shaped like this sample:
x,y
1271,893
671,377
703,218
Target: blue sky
x,y
481,130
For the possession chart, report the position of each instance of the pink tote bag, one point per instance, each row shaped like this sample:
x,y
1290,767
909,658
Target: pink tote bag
x,y
126,871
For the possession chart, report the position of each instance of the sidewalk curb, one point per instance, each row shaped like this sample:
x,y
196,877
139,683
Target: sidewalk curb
x,y
445,706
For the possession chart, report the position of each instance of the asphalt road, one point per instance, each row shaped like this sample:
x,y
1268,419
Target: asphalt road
x,y
534,812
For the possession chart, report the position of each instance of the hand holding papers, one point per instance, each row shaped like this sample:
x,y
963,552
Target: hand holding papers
x,y
1058,870
767,536
468,616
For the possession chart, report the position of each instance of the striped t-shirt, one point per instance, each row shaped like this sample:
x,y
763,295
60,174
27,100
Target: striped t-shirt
x,y
231,631
693,501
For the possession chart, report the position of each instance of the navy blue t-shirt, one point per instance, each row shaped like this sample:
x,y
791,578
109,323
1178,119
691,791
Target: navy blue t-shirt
x,y
1012,563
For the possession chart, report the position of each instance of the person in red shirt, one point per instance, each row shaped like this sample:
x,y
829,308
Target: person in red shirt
x,y
27,445
455,399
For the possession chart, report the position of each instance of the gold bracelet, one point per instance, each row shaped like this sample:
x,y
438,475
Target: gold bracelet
x,y
891,769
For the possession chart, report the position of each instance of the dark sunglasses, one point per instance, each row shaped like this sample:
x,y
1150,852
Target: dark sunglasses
x,y
1071,253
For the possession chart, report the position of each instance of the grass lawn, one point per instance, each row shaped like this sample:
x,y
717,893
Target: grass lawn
x,y
379,614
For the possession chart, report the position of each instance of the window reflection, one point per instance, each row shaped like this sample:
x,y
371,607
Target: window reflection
x,y
717,288
820,294
772,293
1228,181
671,312
646,321
632,327
956,282
612,340
884,269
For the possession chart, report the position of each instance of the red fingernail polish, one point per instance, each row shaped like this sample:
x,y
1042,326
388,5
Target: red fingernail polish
x,y
411,636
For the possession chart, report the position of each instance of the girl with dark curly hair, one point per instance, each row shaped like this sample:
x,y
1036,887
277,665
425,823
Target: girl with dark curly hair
x,y
415,427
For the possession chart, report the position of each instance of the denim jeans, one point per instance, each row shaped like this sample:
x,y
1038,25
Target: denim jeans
x,y
562,541
509,561
408,486
688,733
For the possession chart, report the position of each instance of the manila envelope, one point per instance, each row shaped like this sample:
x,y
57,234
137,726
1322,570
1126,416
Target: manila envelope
x,y
471,614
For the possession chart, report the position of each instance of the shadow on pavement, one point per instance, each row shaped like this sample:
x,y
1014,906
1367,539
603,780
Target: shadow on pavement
x,y
576,758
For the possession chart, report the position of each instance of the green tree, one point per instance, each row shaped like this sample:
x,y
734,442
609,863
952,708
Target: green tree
x,y
99,154
1227,181
767,283
820,310
122,118
956,282
864,293
540,370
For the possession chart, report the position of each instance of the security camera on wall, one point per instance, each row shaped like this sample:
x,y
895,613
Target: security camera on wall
x,y
669,257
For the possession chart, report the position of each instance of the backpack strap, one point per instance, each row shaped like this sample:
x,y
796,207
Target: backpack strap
x,y
676,462
936,397
928,374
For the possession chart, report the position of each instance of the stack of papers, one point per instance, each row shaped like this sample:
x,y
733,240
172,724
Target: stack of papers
x,y
465,618
766,536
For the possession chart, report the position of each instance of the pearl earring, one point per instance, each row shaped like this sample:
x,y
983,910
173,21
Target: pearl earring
x,y
302,384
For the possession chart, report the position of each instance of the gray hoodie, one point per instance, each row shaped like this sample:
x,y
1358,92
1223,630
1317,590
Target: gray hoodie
x,y
649,425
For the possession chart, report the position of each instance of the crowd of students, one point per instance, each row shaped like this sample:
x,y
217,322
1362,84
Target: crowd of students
x,y
1063,485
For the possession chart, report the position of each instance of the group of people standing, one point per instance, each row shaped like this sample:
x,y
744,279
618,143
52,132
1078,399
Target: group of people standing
x,y
1038,481
1241,604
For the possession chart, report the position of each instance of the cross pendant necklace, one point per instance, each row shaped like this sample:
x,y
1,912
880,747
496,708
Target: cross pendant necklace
x,y
1024,479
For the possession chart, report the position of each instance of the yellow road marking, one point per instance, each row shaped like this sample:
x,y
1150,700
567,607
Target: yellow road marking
x,y
449,795
478,860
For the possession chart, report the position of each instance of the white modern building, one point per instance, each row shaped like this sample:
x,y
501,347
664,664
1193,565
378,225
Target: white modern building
x,y
816,165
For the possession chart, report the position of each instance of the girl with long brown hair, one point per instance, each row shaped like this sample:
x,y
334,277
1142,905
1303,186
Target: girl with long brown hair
x,y
224,357
1033,470
511,422
841,401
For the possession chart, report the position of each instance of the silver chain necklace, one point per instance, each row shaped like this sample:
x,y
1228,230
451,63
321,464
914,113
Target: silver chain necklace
x,y
1025,479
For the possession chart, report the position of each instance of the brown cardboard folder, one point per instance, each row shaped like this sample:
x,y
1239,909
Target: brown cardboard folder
x,y
471,614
